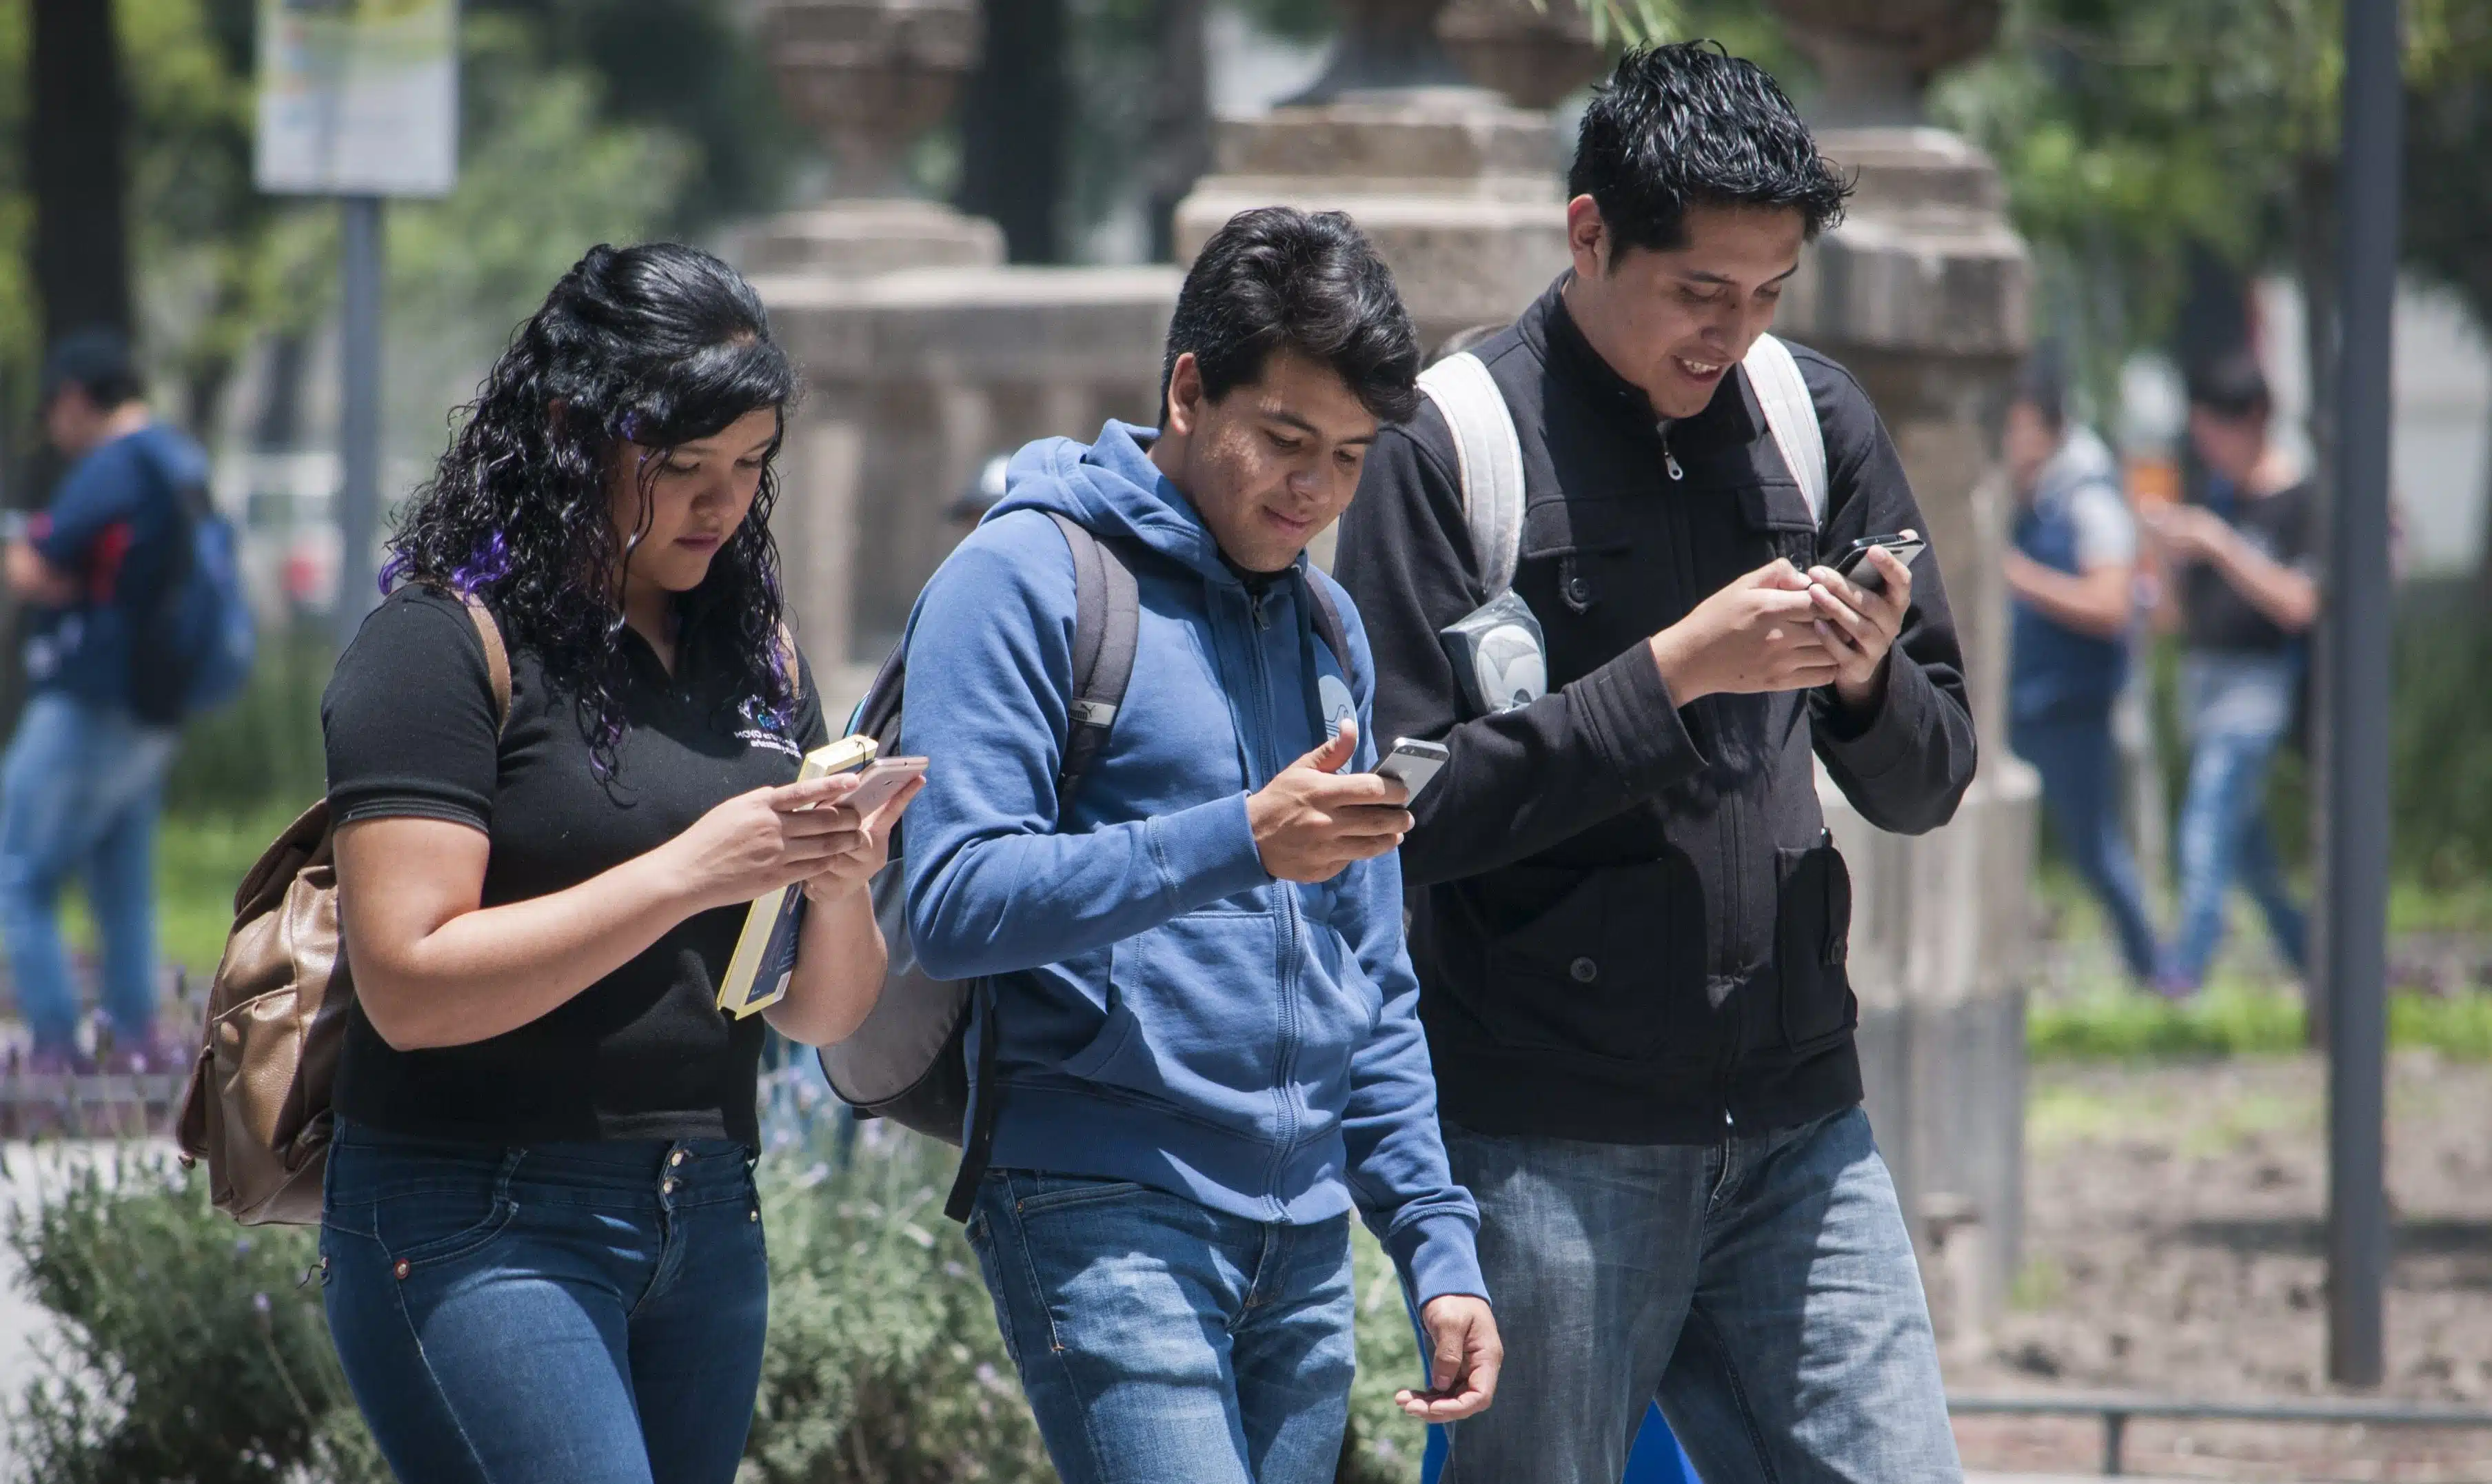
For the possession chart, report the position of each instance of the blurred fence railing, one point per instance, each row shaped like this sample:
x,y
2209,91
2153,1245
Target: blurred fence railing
x,y
2117,1412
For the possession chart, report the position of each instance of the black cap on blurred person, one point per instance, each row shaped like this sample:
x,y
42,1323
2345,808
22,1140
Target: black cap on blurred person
x,y
96,360
2232,388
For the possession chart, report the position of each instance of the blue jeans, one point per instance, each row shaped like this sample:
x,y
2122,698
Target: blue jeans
x,y
80,791
2237,708
588,1313
1158,1339
2080,767
1762,1288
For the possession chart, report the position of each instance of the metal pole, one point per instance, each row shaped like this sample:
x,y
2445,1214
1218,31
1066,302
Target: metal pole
x,y
2357,619
359,423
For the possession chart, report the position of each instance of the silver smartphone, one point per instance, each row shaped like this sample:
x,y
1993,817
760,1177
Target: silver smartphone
x,y
1413,762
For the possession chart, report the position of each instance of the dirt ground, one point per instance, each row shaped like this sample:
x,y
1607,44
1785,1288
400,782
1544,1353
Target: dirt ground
x,y
2174,1247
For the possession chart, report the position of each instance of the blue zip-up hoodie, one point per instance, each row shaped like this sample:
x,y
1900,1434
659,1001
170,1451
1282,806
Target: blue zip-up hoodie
x,y
1169,1012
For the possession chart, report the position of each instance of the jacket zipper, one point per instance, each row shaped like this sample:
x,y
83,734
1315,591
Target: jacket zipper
x,y
1668,460
1286,1058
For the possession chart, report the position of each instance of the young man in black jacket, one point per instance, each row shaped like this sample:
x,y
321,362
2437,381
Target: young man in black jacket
x,y
1628,920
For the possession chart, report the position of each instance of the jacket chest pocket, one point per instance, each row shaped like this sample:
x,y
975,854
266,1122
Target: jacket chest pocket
x,y
1812,939
1778,522
1577,553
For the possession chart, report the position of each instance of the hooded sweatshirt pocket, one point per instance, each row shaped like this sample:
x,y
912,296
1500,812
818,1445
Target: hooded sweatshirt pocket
x,y
1194,1018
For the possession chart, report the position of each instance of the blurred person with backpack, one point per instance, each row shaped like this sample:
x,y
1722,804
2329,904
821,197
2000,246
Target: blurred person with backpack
x,y
2071,573
84,778
2242,592
1198,1041
561,757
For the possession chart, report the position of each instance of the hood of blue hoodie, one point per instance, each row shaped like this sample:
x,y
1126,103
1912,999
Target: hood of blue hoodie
x,y
1112,487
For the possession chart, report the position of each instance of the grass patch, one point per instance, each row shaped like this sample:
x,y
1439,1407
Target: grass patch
x,y
2236,1019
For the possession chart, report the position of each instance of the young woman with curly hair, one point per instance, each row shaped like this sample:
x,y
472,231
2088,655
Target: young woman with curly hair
x,y
543,1250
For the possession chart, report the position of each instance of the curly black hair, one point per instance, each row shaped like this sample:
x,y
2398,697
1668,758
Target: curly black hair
x,y
659,344
1690,125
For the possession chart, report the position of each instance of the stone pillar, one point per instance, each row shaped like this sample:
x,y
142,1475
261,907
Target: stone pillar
x,y
1922,293
1458,188
923,355
870,76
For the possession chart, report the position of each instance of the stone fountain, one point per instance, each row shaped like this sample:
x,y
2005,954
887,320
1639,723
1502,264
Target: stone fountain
x,y
923,355
1458,187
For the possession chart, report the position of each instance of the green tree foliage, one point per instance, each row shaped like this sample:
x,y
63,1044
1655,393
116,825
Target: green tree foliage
x,y
582,120
2130,130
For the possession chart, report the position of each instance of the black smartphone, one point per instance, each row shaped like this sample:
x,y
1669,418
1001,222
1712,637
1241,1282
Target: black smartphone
x,y
1854,564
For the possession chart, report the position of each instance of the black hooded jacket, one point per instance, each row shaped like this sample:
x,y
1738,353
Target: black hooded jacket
x,y
1628,920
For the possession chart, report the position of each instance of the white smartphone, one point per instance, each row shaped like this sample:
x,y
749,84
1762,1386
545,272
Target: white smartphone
x,y
882,778
1413,762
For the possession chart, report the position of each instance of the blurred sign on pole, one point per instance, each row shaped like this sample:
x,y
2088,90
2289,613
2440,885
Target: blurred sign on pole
x,y
358,97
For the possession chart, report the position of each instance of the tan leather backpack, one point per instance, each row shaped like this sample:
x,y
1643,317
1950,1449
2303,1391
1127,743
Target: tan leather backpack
x,y
257,1105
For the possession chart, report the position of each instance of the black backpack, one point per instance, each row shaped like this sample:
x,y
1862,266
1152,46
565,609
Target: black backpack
x,y
909,1061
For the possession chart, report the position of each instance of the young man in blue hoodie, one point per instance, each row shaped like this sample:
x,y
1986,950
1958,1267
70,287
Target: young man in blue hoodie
x,y
1209,1050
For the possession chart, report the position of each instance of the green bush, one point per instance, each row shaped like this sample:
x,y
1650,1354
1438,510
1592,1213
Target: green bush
x,y
884,1364
191,1350
1382,1447
188,1347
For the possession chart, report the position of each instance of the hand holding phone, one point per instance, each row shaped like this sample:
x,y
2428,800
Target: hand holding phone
x,y
1855,567
881,778
1412,763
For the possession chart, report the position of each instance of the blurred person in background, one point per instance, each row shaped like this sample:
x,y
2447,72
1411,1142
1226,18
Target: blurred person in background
x,y
2071,572
83,778
2243,593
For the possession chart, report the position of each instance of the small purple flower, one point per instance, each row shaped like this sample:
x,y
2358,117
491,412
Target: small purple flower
x,y
260,1304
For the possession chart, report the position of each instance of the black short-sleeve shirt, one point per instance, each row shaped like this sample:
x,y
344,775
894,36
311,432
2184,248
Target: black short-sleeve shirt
x,y
645,1051
2213,616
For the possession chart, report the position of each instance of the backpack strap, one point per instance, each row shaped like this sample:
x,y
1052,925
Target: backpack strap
x,y
1107,626
1791,416
1328,625
1488,458
497,658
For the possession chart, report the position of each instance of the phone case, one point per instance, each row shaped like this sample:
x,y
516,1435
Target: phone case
x,y
765,951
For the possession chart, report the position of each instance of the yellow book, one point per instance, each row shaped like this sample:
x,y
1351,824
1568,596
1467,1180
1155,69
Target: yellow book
x,y
765,951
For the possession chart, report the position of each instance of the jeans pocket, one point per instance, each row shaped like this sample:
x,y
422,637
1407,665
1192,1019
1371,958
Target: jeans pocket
x,y
440,1226
1056,1193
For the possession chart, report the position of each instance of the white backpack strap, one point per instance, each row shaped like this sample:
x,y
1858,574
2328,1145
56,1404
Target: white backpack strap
x,y
1489,459
1792,417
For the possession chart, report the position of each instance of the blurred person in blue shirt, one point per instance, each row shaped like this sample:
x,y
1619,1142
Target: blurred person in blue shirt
x,y
2072,575
83,776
